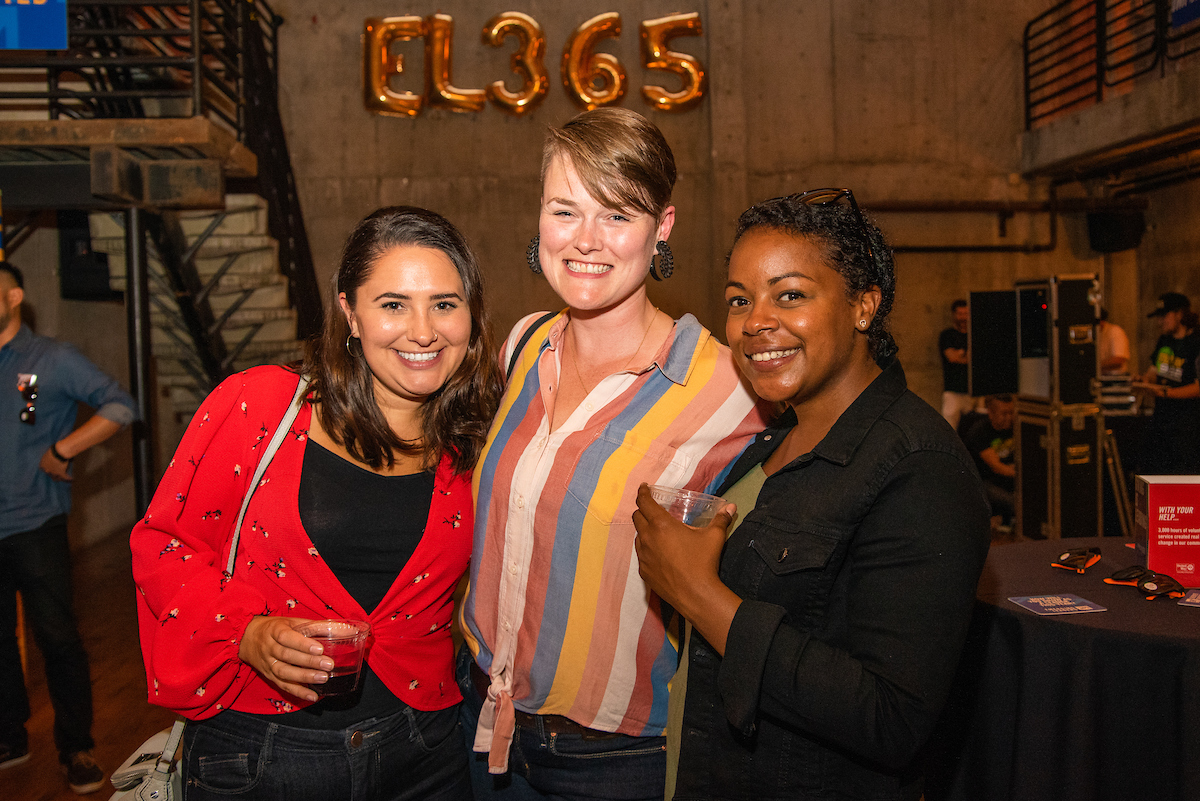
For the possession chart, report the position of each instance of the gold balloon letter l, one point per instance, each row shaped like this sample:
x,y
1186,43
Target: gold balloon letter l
x,y
379,65
438,64
655,35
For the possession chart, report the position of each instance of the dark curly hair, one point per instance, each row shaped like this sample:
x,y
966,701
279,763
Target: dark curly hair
x,y
456,418
837,230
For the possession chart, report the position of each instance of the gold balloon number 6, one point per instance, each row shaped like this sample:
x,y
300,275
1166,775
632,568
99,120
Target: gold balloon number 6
x,y
591,79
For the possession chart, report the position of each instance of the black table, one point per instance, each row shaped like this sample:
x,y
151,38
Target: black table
x,y
1102,706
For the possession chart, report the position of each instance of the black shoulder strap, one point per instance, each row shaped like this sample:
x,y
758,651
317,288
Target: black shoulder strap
x,y
516,354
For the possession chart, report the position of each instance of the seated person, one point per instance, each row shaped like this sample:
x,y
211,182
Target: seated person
x,y
990,442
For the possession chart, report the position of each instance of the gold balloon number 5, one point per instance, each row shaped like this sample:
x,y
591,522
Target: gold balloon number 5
x,y
591,79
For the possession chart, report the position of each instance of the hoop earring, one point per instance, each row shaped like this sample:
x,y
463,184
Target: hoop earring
x,y
348,338
666,261
531,254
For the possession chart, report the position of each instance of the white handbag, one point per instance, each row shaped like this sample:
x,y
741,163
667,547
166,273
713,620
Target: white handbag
x,y
152,772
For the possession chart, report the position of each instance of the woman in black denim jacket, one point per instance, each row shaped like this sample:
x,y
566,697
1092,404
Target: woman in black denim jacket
x,y
825,633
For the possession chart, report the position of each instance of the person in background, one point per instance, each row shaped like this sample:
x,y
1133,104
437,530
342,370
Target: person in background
x,y
1112,347
568,654
990,441
43,382
1172,445
826,630
364,513
952,343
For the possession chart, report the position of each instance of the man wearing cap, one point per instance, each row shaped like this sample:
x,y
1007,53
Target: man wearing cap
x,y
1173,440
42,383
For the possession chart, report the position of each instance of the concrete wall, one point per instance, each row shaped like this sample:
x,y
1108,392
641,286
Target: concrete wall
x,y
911,101
919,100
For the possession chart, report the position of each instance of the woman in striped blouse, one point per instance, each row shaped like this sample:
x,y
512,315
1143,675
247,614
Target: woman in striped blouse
x,y
569,652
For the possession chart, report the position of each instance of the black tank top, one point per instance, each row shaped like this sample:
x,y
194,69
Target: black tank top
x,y
366,527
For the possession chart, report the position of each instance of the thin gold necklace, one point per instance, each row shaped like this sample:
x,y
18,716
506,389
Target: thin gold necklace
x,y
645,334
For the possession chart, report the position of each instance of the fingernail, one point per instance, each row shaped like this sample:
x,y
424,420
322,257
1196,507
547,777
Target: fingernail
x,y
320,678
326,664
317,649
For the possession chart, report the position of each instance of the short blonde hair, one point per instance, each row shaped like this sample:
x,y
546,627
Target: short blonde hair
x,y
621,157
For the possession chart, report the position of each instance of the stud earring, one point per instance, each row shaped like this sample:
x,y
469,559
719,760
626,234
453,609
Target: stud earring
x,y
666,261
531,254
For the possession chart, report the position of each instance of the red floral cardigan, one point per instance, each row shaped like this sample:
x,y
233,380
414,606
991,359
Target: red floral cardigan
x,y
191,621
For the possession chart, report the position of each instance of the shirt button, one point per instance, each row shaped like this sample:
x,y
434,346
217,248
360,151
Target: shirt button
x,y
506,626
588,406
520,502
356,739
512,568
767,438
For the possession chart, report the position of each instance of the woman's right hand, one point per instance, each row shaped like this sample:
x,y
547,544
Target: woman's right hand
x,y
283,656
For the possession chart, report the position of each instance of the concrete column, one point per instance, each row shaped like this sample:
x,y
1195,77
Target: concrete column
x,y
728,192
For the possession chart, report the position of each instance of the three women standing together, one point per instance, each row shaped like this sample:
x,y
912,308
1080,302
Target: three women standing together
x,y
825,632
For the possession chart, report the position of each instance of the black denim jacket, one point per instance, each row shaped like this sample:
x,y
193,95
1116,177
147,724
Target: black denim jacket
x,y
857,571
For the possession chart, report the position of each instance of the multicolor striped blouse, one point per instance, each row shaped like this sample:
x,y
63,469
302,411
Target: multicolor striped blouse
x,y
556,612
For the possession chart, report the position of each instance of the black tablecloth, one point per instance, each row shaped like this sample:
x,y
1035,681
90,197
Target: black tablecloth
x,y
1084,707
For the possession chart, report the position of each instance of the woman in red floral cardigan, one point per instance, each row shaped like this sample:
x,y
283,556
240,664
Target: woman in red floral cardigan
x,y
364,513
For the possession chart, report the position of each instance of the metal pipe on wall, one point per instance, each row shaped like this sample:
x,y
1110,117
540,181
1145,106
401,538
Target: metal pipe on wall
x,y
137,311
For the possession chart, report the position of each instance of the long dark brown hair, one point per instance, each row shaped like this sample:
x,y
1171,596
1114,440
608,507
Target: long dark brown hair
x,y
455,418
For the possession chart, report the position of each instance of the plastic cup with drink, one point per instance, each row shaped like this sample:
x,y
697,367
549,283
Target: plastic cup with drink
x,y
687,506
344,642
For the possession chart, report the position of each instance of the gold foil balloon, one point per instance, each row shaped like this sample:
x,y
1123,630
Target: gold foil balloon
x,y
438,65
655,36
593,79
379,65
529,61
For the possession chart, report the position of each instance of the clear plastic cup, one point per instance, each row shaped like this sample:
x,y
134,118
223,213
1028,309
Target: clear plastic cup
x,y
686,506
344,642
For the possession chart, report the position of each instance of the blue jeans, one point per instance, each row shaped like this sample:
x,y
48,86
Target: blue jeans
x,y
556,765
409,755
38,564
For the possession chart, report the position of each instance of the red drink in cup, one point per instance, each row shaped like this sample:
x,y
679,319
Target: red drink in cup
x,y
344,642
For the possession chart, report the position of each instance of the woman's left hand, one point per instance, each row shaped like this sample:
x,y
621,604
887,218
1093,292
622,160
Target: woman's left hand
x,y
680,563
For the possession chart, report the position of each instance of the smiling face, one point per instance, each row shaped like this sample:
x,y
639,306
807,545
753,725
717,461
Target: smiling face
x,y
794,333
596,258
412,319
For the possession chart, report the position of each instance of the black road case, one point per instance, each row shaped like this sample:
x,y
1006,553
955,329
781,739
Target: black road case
x,y
1059,471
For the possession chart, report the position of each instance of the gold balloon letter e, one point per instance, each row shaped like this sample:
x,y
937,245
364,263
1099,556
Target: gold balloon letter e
x,y
379,65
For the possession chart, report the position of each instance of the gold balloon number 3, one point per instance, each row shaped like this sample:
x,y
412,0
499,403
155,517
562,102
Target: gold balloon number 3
x,y
591,79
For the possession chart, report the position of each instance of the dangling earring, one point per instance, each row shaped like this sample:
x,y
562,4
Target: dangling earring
x,y
348,338
531,254
666,261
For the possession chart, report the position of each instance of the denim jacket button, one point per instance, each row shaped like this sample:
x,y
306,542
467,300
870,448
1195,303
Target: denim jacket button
x,y
356,739
782,555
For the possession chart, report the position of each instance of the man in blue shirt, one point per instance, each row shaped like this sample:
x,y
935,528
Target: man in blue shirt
x,y
41,384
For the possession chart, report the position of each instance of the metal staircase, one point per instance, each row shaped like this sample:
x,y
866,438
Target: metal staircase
x,y
236,302
162,118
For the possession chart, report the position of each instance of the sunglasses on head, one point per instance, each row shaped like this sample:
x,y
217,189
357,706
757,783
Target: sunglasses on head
x,y
27,386
830,197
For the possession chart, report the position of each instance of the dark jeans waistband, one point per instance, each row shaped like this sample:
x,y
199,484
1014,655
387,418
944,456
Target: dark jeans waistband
x,y
248,725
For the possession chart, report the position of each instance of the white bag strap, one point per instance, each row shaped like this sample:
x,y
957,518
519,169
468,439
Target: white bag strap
x,y
162,768
268,454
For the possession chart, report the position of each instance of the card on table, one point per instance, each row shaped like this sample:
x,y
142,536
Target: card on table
x,y
1063,604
